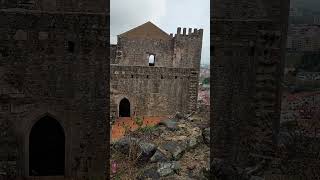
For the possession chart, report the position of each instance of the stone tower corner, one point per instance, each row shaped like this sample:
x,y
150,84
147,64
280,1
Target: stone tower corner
x,y
187,47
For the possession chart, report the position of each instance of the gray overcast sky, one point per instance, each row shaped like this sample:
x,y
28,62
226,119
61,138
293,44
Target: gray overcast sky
x,y
166,14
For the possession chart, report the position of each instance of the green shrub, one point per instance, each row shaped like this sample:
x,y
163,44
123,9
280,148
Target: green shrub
x,y
206,81
147,129
139,121
126,128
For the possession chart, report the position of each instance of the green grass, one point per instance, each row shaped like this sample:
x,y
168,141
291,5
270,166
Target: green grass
x,y
147,129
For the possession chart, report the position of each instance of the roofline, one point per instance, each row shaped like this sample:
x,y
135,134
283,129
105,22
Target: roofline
x,y
142,25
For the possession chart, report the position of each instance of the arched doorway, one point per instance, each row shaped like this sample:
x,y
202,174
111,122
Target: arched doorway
x,y
124,108
46,148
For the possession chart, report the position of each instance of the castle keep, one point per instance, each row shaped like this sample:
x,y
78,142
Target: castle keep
x,y
53,100
154,73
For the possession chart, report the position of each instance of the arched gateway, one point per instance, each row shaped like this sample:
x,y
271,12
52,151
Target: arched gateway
x,y
124,108
47,148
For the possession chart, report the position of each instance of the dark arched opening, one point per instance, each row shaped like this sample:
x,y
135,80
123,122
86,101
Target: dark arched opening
x,y
124,108
46,148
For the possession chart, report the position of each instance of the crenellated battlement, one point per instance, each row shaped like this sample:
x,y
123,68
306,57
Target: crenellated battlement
x,y
182,32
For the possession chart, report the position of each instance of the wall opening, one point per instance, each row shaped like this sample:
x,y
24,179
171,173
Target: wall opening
x,y
152,60
124,108
71,46
4,52
47,148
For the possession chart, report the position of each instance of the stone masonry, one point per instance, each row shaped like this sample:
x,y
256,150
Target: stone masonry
x,y
248,48
53,66
169,85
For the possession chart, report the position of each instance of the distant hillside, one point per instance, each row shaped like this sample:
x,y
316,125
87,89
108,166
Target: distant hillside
x,y
310,62
313,5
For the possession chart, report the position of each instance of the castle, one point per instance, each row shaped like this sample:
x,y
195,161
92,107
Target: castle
x,y
54,78
154,73
53,100
54,66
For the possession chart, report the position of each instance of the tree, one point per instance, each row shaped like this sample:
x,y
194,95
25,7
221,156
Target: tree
x,y
206,80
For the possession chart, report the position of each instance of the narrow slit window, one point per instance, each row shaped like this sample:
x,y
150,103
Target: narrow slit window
x,y
71,46
4,52
152,60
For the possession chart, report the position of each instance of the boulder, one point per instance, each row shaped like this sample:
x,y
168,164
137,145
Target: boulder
x,y
123,144
179,116
192,142
175,138
150,173
168,168
158,156
195,137
147,150
175,149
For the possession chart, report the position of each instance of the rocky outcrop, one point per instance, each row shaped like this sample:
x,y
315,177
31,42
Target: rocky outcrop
x,y
145,149
175,149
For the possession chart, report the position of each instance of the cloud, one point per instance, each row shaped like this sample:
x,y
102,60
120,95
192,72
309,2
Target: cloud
x,y
167,14
127,14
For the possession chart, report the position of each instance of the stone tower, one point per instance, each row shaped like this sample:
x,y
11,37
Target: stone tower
x,y
248,43
168,84
187,48
53,87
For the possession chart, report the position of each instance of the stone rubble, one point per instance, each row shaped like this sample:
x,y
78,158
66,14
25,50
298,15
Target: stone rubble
x,y
172,153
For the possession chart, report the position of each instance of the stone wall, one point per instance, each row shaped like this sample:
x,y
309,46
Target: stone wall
x,y
187,48
183,50
96,6
248,51
136,51
170,85
153,91
54,64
